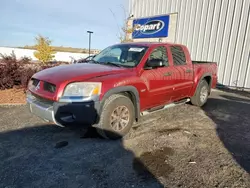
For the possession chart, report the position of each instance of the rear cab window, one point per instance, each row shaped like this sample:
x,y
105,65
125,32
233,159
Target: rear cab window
x,y
178,55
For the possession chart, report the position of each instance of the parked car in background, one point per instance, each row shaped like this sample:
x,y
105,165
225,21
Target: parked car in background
x,y
119,85
84,60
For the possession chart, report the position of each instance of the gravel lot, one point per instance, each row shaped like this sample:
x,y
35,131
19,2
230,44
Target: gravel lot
x,y
184,146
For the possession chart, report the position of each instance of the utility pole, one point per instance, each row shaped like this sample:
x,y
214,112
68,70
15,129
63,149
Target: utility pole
x,y
90,32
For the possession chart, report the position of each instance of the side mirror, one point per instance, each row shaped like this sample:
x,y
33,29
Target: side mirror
x,y
154,63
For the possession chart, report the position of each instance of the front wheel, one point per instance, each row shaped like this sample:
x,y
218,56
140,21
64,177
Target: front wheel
x,y
117,117
201,95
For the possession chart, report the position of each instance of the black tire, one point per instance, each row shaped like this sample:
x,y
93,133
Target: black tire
x,y
196,99
104,127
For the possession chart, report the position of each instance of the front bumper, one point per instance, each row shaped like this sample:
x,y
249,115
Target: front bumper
x,y
64,113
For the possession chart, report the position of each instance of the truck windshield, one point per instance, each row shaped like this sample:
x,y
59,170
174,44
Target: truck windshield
x,y
122,55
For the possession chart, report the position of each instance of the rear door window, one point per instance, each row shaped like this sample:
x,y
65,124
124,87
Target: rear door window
x,y
178,55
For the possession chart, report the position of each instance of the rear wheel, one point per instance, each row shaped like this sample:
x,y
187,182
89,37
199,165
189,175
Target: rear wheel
x,y
117,117
201,95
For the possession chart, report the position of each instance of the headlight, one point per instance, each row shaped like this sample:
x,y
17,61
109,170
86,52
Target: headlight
x,y
82,89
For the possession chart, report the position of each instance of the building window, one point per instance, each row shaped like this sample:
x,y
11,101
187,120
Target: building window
x,y
178,55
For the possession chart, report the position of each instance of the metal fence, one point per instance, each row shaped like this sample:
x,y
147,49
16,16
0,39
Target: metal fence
x,y
213,30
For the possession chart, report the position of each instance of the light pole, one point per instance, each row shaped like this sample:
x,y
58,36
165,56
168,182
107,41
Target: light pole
x,y
90,32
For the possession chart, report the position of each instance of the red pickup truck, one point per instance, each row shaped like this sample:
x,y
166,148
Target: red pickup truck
x,y
120,84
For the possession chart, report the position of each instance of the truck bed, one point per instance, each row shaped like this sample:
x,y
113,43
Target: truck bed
x,y
206,67
203,62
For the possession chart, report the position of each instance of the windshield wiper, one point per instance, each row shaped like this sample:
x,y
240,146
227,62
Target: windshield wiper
x,y
93,61
104,63
113,64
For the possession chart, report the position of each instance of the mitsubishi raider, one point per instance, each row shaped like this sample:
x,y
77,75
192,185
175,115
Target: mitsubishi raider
x,y
119,85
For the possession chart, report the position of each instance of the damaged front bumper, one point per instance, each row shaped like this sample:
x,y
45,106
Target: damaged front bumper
x,y
64,113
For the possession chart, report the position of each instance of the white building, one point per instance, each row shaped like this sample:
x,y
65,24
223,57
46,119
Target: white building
x,y
59,56
213,30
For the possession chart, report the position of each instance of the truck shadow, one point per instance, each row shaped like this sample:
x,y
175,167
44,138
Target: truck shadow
x,y
232,118
50,156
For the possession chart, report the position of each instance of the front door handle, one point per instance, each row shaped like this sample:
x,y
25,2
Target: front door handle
x,y
167,74
188,71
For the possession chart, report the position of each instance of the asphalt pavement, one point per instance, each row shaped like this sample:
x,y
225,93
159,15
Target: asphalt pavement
x,y
184,146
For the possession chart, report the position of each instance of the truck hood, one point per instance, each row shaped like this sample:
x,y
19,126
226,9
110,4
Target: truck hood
x,y
77,72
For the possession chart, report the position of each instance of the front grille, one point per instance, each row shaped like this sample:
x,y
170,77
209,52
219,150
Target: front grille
x,y
49,87
46,85
35,81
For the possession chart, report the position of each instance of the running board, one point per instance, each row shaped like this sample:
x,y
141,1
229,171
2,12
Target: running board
x,y
157,109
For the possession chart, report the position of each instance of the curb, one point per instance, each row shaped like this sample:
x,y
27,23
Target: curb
x,y
233,91
218,90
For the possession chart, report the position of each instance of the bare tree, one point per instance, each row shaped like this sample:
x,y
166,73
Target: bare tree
x,y
123,29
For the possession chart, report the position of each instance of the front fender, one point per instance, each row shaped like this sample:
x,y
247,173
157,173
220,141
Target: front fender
x,y
121,89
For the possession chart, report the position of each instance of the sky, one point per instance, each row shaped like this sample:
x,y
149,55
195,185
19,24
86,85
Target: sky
x,y
65,22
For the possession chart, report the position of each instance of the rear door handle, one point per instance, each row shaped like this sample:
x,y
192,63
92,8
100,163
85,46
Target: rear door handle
x,y
188,71
167,74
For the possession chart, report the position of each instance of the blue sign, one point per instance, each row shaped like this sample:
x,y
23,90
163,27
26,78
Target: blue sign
x,y
152,27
